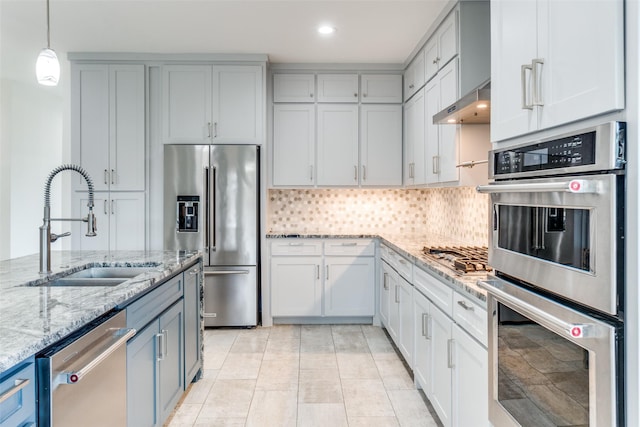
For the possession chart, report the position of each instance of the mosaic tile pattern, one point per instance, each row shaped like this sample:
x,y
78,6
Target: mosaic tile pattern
x,y
458,213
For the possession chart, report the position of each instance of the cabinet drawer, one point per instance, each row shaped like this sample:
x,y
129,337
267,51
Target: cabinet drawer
x,y
401,264
439,293
155,302
18,390
471,317
358,247
296,247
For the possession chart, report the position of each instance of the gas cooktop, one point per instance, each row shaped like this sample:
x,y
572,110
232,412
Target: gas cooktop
x,y
462,259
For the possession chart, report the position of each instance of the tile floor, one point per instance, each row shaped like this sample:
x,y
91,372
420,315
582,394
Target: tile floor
x,y
309,375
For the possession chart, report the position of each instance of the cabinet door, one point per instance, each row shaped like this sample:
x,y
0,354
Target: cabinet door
x,y
171,360
338,88
18,392
294,144
349,286
127,221
414,164
338,145
186,104
79,240
431,130
385,292
126,128
405,302
394,305
142,377
422,342
470,381
431,57
513,44
582,74
447,39
294,88
414,75
192,324
90,127
448,134
381,88
441,364
380,145
295,286
238,104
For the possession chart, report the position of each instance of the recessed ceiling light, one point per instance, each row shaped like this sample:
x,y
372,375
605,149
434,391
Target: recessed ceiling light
x,y
482,106
326,29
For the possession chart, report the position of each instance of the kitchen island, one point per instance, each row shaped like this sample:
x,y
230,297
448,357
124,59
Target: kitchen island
x,y
33,317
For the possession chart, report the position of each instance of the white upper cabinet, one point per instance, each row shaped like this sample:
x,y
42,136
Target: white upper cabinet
x,y
294,127
381,145
337,145
442,46
108,125
338,88
441,145
414,154
414,75
294,88
381,88
545,73
204,104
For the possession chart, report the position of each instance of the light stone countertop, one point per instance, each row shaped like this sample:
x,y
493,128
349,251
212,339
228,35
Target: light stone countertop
x,y
33,317
411,248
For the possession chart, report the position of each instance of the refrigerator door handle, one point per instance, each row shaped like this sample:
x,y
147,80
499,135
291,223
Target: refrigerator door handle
x,y
213,207
223,272
206,203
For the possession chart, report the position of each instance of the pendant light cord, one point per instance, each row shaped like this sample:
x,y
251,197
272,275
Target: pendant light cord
x,y
48,29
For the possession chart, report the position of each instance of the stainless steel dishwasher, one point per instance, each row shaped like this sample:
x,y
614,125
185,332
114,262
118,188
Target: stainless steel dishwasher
x,y
82,381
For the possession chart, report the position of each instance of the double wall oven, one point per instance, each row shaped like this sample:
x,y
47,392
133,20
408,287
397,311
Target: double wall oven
x,y
556,302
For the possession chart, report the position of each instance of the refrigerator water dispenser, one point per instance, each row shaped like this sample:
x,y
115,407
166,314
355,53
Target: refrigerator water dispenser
x,y
188,213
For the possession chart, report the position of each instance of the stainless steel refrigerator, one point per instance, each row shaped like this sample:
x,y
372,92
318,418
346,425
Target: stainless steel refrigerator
x,y
211,203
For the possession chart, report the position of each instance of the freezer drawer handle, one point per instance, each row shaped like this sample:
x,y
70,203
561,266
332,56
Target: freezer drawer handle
x,y
120,337
222,272
18,385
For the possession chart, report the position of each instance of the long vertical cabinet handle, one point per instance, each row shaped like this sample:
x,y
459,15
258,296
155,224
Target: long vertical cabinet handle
x,y
364,173
318,271
327,271
206,203
165,343
536,65
113,174
159,347
435,164
355,172
113,210
106,177
523,82
209,130
424,324
215,129
450,363
214,205
104,205
397,299
385,281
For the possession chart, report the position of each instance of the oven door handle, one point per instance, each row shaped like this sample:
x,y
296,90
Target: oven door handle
x,y
574,186
573,330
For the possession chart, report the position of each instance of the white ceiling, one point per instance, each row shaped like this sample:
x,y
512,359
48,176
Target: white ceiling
x,y
368,31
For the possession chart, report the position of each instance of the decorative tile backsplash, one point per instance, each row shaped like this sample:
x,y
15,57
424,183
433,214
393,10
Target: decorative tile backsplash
x,y
458,213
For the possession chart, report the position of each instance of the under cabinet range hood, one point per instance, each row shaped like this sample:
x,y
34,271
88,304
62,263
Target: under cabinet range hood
x,y
473,108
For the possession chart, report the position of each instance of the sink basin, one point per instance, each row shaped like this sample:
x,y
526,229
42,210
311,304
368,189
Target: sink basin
x,y
100,276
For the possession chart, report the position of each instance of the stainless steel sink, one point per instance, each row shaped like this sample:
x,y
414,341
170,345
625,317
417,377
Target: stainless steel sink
x,y
100,276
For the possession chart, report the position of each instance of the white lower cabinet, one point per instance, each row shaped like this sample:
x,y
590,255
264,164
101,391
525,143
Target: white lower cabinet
x,y
440,386
314,278
384,280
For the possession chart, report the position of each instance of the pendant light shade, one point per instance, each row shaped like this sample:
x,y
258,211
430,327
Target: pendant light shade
x,y
48,68
47,64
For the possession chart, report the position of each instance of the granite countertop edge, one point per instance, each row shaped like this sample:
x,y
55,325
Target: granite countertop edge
x,y
411,248
33,317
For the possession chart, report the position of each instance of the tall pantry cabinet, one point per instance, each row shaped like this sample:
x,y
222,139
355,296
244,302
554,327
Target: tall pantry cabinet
x,y
108,141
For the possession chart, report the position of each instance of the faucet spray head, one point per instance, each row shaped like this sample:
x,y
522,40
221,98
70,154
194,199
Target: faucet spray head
x,y
91,223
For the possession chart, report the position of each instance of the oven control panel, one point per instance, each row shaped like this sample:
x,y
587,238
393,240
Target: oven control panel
x,y
578,150
595,149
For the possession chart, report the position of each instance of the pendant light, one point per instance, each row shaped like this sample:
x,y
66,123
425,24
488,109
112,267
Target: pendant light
x,y
47,65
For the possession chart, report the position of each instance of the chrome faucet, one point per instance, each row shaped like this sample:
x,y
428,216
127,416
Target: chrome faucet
x,y
46,236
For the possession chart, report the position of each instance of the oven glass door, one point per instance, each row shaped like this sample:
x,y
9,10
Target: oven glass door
x,y
562,235
550,365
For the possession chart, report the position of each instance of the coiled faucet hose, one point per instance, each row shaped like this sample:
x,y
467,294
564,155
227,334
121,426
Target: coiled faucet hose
x,y
80,170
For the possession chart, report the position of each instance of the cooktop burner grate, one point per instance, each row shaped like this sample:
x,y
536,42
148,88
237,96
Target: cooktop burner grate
x,y
464,259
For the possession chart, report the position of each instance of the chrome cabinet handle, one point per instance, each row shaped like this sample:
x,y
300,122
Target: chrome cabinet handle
x,y
225,272
165,343
205,235
355,172
402,261
364,173
523,82
113,211
159,347
537,90
296,244
119,338
385,281
435,164
450,363
464,305
348,244
397,297
18,385
113,174
106,178
327,271
318,271
215,129
208,129
424,324
574,186
104,205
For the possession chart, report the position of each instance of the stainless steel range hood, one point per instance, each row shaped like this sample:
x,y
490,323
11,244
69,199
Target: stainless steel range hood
x,y
473,108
